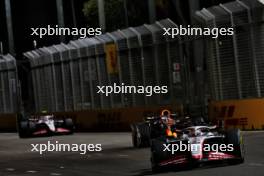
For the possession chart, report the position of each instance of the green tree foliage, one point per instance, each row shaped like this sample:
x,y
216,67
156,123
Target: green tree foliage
x,y
114,14
137,11
90,11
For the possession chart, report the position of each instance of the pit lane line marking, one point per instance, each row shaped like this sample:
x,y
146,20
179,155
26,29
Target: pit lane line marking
x,y
10,169
53,173
32,171
123,155
98,154
256,164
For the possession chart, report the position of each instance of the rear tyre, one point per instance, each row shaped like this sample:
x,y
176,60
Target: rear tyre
x,y
144,131
23,129
140,135
235,137
69,125
134,136
137,137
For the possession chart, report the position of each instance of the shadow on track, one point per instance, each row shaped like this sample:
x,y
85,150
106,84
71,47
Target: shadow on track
x,y
170,169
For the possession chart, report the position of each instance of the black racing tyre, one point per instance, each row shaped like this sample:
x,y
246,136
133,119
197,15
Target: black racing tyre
x,y
235,137
23,125
141,135
26,128
137,137
68,122
154,167
23,131
134,135
145,132
31,126
157,146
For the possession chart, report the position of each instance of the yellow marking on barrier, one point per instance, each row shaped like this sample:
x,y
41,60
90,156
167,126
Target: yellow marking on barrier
x,y
111,58
244,114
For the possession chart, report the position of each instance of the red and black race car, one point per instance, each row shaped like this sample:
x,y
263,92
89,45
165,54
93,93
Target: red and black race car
x,y
44,125
141,130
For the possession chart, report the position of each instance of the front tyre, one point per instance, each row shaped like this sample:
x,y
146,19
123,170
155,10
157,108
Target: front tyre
x,y
154,167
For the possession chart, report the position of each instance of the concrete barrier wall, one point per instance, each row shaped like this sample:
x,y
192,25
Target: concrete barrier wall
x,y
7,122
113,119
98,120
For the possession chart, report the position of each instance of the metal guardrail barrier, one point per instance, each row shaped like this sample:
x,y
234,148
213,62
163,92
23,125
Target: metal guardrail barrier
x,y
235,64
66,76
8,84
